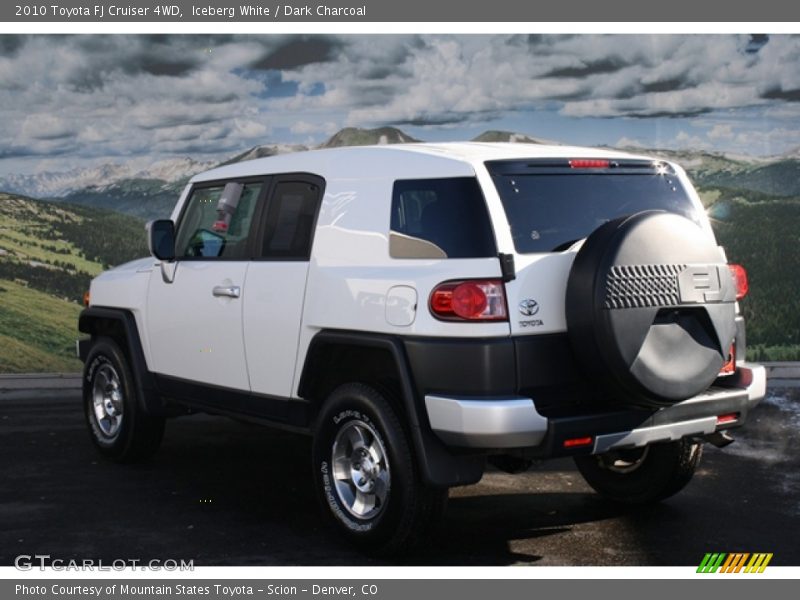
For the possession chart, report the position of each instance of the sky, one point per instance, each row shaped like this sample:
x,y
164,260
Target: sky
x,y
71,101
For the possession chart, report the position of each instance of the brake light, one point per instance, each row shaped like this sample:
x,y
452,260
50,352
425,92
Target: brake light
x,y
474,300
589,163
86,298
739,280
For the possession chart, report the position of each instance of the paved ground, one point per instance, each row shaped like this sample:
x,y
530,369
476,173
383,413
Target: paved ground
x,y
225,493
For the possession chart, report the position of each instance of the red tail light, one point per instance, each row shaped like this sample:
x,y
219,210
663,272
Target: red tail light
x,y
474,300
589,163
729,367
739,280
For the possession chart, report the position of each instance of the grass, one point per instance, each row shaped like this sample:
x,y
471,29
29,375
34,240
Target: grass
x,y
28,229
37,331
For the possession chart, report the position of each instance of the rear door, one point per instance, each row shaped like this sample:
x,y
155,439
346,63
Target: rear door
x,y
276,286
195,311
552,205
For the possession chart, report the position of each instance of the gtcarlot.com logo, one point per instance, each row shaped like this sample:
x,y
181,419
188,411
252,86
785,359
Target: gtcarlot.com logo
x,y
734,562
28,562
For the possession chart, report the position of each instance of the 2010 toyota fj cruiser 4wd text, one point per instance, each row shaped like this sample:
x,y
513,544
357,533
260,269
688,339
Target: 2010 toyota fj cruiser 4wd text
x,y
421,308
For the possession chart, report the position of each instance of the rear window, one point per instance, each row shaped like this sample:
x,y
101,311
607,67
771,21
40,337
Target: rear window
x,y
440,218
550,205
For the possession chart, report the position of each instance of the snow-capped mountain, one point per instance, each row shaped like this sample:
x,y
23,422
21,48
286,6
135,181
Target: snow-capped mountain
x,y
148,189
61,184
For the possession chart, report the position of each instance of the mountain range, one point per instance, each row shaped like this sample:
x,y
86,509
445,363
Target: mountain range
x,y
51,247
150,190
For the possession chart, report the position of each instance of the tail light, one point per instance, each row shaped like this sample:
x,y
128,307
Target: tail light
x,y
473,300
86,298
739,280
729,367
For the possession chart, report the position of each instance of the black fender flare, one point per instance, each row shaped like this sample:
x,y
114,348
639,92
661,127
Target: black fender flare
x,y
121,325
438,465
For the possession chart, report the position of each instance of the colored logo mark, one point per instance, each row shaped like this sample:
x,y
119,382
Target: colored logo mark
x,y
736,562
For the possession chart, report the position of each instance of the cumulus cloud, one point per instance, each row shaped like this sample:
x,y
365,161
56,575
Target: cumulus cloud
x,y
126,95
306,128
721,131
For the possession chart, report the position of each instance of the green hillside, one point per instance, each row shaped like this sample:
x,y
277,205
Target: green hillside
x,y
48,254
762,233
37,331
781,178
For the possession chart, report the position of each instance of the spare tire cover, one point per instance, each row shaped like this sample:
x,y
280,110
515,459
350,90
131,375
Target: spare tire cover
x,y
650,308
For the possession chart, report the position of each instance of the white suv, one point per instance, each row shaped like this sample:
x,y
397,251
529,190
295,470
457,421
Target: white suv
x,y
422,308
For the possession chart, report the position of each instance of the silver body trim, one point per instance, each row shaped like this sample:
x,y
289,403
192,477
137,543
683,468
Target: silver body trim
x,y
651,435
513,422
508,422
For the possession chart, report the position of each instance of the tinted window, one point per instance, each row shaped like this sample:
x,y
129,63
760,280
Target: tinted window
x,y
216,222
440,218
290,220
550,211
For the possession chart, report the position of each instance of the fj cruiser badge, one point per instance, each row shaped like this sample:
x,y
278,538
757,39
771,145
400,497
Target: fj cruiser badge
x,y
529,307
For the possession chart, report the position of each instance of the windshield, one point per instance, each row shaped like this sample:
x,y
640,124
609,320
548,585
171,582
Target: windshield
x,y
550,206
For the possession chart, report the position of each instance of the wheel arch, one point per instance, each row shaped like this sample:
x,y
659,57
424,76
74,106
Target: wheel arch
x,y
336,357
120,325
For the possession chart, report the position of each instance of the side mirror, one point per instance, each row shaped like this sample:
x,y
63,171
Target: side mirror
x,y
161,239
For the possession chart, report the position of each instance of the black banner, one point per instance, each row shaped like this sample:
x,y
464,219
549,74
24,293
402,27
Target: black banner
x,y
193,11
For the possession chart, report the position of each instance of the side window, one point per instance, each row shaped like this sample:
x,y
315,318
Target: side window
x,y
440,218
217,221
291,216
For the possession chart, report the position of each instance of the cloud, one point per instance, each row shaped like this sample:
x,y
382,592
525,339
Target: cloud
x,y
305,128
47,127
131,95
626,142
721,132
690,142
454,78
297,52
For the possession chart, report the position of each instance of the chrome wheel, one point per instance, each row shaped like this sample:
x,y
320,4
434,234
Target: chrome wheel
x,y
623,461
360,470
107,401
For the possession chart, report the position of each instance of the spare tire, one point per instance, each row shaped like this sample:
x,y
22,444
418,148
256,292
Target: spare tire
x,y
650,308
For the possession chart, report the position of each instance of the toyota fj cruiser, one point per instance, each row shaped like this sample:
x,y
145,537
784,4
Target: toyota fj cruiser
x,y
419,309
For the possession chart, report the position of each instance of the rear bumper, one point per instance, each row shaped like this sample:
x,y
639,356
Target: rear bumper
x,y
501,423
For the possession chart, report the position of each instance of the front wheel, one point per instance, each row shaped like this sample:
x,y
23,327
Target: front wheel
x,y
366,476
118,426
641,475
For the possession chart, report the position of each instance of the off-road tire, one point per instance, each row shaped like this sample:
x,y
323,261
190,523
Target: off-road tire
x,y
410,509
137,436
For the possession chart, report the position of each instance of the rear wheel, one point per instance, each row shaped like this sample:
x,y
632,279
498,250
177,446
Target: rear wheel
x,y
118,426
641,475
366,475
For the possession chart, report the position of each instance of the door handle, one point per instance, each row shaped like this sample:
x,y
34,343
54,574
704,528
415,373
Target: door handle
x,y
229,291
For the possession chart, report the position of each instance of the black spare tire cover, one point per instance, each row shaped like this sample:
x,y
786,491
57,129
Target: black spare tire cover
x,y
650,308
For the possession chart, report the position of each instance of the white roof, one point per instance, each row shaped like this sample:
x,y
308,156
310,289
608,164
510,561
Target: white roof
x,y
403,160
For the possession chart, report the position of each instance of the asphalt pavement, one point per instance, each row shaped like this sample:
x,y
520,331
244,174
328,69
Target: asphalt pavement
x,y
221,492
